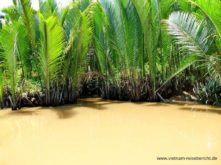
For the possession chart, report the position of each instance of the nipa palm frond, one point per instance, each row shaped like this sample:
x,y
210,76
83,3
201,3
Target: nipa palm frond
x,y
8,38
52,44
193,36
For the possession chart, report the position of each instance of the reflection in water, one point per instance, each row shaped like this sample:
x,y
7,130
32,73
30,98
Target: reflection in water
x,y
100,132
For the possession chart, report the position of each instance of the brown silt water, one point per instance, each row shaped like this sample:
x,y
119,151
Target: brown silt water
x,y
98,132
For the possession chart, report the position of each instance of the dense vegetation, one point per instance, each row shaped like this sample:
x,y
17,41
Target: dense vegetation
x,y
135,50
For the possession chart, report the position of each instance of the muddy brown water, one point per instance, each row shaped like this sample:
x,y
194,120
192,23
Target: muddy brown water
x,y
97,132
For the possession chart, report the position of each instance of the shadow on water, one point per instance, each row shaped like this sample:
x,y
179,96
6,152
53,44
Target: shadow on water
x,y
185,106
188,106
64,112
167,103
197,107
22,113
68,111
96,103
155,104
205,110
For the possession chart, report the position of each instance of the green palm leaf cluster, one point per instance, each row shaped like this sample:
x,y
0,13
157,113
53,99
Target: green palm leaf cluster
x,y
198,33
48,47
128,37
9,41
141,48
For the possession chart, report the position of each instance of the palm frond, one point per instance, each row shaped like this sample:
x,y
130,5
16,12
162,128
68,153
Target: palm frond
x,y
100,26
181,66
48,8
84,4
52,44
23,49
211,9
81,45
28,17
8,38
191,34
1,83
192,37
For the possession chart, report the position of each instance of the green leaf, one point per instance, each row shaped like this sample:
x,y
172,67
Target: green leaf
x,y
8,39
51,48
193,36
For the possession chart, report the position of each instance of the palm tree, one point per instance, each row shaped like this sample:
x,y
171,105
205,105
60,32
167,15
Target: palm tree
x,y
29,22
78,36
9,41
51,47
139,46
198,37
118,42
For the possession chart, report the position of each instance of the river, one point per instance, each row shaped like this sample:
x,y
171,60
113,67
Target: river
x,y
99,132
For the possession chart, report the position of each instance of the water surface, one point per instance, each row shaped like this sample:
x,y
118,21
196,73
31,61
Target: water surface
x,y
96,132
